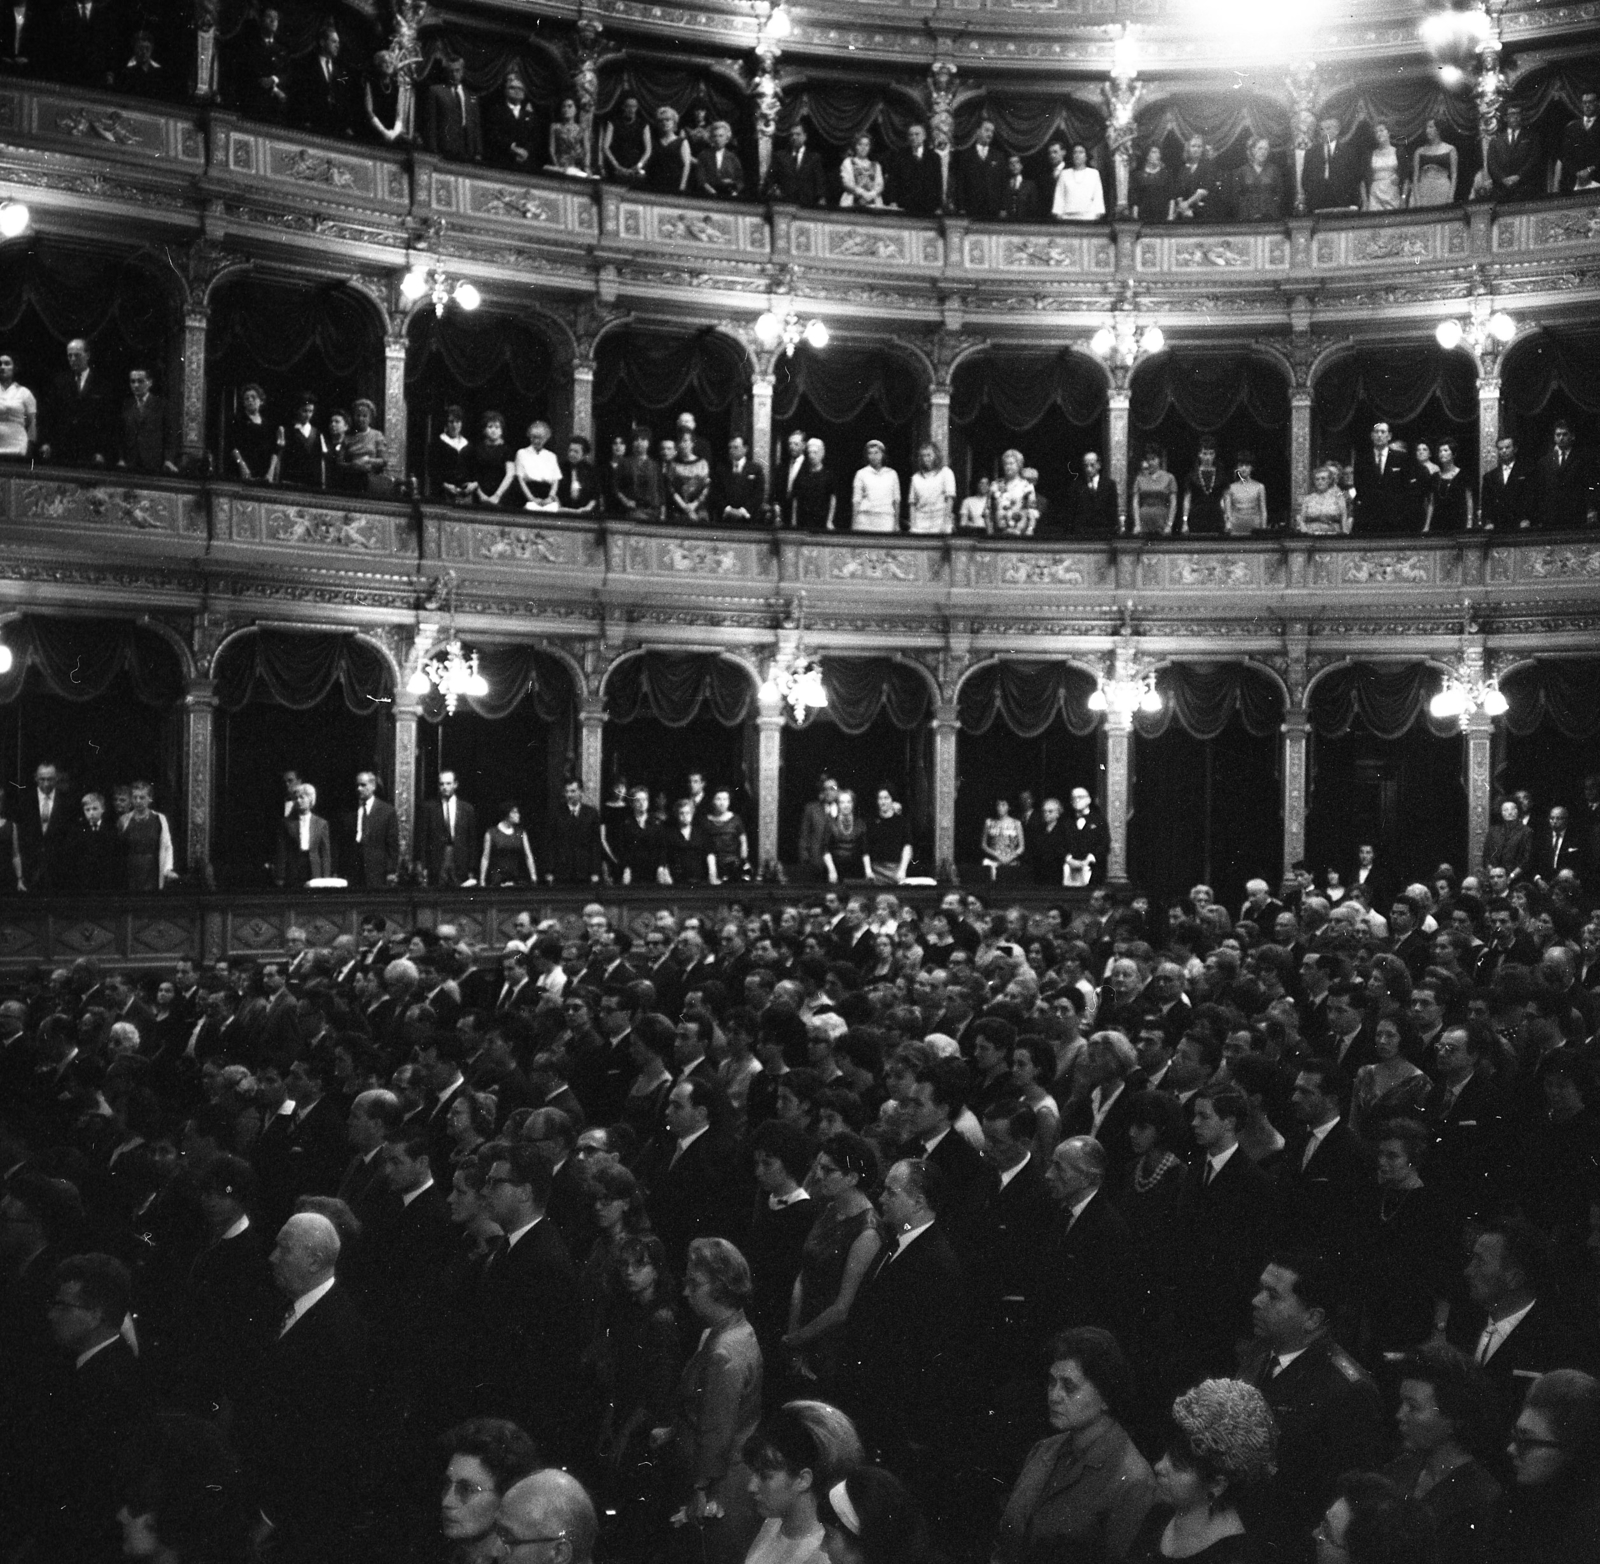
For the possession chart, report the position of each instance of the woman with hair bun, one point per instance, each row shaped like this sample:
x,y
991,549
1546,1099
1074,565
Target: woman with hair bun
x,y
871,1518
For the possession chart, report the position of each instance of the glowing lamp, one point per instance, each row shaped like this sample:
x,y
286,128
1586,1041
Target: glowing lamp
x,y
1448,335
14,219
415,283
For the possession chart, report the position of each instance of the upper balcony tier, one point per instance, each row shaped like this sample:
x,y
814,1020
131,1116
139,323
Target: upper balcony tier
x,y
94,165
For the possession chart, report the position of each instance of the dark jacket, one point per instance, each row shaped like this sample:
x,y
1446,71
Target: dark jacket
x,y
1507,502
980,181
572,846
1332,182
377,855
75,420
1094,513
434,841
147,435
800,182
452,128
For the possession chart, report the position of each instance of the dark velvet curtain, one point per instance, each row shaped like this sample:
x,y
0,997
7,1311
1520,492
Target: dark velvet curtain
x,y
489,60
1405,105
1017,389
1203,698
673,686
1396,383
85,293
659,371
1561,692
515,674
471,351
1028,697
660,84
1206,389
1385,698
1221,117
1545,362
288,668
278,325
844,381
80,659
859,688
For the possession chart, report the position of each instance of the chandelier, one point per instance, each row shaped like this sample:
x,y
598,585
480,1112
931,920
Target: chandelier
x,y
1122,343
799,685
789,331
1126,696
1462,696
432,282
448,668
1480,333
14,219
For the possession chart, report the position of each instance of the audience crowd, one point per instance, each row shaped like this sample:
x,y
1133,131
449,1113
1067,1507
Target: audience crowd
x,y
1110,1231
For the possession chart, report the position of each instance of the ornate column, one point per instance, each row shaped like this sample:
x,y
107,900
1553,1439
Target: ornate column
x,y
193,397
592,725
205,50
199,719
406,710
766,95
761,387
1296,731
1300,403
1478,728
946,348
1121,94
769,775
946,728
1119,789
1489,91
1302,84
394,402
583,397
584,52
1117,442
1488,417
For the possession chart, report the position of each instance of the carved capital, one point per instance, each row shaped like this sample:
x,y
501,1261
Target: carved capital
x,y
200,265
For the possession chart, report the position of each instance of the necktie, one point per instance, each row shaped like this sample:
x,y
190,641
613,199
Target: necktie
x,y
44,810
450,816
1211,1172
1094,483
361,819
1311,1148
1488,1341
498,1246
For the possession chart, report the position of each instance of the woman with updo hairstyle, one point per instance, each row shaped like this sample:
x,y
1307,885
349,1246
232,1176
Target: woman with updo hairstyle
x,y
1553,1512
470,1122
796,1455
871,1518
1222,1443
483,1457
182,1496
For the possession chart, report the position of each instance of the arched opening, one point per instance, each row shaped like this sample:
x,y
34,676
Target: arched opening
x,y
289,337
671,713
517,744
1026,727
1551,742
1384,771
1051,407
845,395
1240,400
482,362
650,377
1547,376
687,89
1406,109
1207,792
315,702
1227,122
102,699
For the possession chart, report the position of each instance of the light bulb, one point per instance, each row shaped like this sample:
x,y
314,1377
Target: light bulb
x,y
14,219
1150,700
1097,699
419,683
769,330
6,658
467,296
1502,327
1494,703
1449,702
778,25
1448,335
1451,76
817,334
1153,340
415,283
477,685
1101,344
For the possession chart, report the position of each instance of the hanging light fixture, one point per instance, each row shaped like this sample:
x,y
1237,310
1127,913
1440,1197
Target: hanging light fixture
x,y
448,668
14,219
1462,697
1126,696
425,281
1491,332
6,659
795,678
789,331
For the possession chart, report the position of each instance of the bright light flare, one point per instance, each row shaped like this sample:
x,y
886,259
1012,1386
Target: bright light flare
x,y
1448,335
415,283
14,220
817,334
467,296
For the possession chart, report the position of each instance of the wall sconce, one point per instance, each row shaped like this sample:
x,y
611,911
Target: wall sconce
x,y
424,281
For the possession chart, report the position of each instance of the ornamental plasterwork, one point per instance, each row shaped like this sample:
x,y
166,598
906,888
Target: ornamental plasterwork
x,y
109,125
1212,253
502,201
1562,564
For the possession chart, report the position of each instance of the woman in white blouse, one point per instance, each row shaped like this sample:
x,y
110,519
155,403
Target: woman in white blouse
x,y
861,176
19,411
538,473
933,493
1081,198
875,494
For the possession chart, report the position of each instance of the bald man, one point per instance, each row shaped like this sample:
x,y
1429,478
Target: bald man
x,y
1085,1263
304,1425
551,1509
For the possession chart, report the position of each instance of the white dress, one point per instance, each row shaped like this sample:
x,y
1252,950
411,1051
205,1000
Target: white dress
x,y
1080,196
17,407
536,468
875,500
933,497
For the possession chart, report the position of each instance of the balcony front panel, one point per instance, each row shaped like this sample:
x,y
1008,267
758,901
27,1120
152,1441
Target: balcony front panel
x,y
311,528
252,160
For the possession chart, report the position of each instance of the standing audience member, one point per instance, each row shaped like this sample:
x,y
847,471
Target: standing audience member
x,y
875,494
386,107
509,132
796,176
452,119
719,175
19,412
625,144
76,428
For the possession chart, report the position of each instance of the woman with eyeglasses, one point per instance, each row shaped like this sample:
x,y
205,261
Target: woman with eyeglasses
x,y
1553,1513
619,1215
483,1457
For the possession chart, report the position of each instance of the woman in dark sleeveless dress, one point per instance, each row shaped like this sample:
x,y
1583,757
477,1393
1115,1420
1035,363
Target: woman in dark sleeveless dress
x,y
667,171
146,843
1450,503
507,857
1202,495
625,145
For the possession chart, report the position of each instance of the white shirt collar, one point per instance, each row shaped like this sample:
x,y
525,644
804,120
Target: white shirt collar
x,y
1284,1359
688,1140
1078,1207
1220,1160
527,1227
303,1304
421,1189
794,1197
234,1231
1011,1173
932,1144
915,1232
83,1357
1493,1336
452,1086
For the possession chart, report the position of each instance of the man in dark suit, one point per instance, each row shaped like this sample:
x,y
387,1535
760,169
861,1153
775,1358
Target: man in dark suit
x,y
364,1186
1326,1171
739,497
796,174
1558,847
1088,837
572,851
406,1254
792,465
718,173
147,434
1047,844
317,1130
1329,1416
1578,156
21,38
1383,486
1332,172
904,1351
981,176
447,836
1507,493
75,427
323,95
303,1428
1467,1112
1020,203
1093,508
937,1098
914,175
87,42
452,121
304,850
44,829
510,132
1084,1277
1514,169
1563,485
690,1170
261,73
372,838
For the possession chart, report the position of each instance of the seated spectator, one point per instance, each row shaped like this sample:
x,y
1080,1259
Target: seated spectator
x,y
579,490
625,144
303,453
253,447
569,142
452,460
386,110
537,470
493,466
1079,194
796,175
509,132
861,176
719,175
453,121
142,76
875,494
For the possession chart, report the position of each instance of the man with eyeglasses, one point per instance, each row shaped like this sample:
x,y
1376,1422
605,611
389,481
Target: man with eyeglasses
x,y
547,1518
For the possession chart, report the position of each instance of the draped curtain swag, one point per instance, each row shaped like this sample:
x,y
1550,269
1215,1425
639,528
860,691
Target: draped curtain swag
x,y
657,369
861,687
79,659
847,380
278,324
515,674
673,686
657,84
1203,698
80,293
1221,118
1397,384
1544,362
1565,692
1020,388
471,350
1207,389
1385,698
288,668
1028,697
